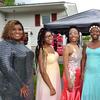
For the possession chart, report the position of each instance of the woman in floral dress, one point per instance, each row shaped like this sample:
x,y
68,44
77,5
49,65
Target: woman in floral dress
x,y
71,61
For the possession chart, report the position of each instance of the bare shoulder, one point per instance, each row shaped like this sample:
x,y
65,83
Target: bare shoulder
x,y
42,51
68,48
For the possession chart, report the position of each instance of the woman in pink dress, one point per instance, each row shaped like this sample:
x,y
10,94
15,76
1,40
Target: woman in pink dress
x,y
48,78
71,62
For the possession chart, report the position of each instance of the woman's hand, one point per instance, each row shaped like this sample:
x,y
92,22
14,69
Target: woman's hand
x,y
70,86
52,91
24,91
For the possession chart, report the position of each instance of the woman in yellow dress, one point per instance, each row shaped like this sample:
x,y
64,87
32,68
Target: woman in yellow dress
x,y
48,78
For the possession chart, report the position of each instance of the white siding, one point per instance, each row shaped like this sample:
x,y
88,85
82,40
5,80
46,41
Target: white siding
x,y
2,22
71,9
62,14
27,19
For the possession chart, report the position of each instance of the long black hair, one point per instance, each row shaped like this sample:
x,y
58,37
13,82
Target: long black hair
x,y
40,42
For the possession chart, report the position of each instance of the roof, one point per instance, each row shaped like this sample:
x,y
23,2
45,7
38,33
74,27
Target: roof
x,y
81,20
34,7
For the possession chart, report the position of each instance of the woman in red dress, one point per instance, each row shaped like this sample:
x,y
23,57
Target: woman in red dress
x,y
71,61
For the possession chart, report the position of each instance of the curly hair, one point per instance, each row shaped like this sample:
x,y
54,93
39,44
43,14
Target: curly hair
x,y
7,32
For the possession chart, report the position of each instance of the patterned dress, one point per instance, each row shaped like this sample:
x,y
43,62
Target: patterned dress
x,y
91,84
74,71
52,69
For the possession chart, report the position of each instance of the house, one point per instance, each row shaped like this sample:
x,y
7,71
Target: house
x,y
34,16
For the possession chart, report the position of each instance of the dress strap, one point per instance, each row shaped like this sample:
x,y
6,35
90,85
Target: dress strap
x,y
45,51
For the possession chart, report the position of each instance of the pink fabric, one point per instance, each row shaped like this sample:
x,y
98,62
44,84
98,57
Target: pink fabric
x,y
76,92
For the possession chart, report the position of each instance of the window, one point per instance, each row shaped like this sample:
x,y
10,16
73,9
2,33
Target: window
x,y
45,19
37,20
54,16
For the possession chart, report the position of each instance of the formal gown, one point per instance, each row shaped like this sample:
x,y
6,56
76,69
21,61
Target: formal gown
x,y
91,84
52,69
74,71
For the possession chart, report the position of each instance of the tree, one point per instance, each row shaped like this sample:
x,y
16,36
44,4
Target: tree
x,y
9,2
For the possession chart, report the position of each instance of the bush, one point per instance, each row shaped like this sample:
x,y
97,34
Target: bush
x,y
9,2
86,39
61,69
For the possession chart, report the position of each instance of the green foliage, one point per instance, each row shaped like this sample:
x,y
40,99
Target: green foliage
x,y
86,39
9,2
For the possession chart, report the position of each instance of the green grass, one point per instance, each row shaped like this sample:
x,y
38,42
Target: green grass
x,y
61,69
35,82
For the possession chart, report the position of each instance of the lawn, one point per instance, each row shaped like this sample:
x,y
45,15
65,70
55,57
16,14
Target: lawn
x,y
61,69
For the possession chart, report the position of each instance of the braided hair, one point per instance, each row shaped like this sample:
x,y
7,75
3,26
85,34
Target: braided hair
x,y
40,43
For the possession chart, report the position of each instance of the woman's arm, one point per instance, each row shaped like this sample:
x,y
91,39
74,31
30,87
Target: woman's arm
x,y
8,71
65,61
83,61
44,73
66,53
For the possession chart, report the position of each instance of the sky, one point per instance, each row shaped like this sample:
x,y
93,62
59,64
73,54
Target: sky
x,y
82,5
